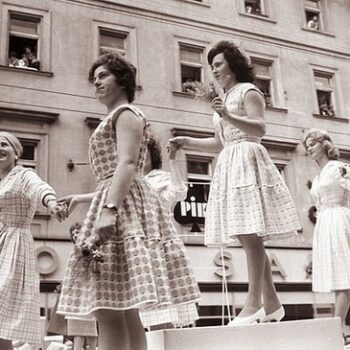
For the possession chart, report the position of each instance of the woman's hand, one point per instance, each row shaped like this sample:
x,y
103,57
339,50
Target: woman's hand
x,y
58,210
70,202
219,106
177,142
172,149
105,227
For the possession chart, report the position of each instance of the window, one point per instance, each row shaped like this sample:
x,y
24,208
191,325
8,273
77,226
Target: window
x,y
263,78
111,40
324,93
199,174
29,155
313,15
191,62
24,41
255,7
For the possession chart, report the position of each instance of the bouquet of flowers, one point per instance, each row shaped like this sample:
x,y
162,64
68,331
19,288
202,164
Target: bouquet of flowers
x,y
91,256
200,91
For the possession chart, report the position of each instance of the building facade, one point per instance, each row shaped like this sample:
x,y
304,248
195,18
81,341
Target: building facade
x,y
300,51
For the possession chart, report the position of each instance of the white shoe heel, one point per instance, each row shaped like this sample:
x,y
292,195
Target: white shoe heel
x,y
275,316
252,319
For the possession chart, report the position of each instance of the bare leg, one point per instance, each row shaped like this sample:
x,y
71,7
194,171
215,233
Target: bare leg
x,y
256,259
137,334
113,332
342,305
78,342
91,341
270,297
6,344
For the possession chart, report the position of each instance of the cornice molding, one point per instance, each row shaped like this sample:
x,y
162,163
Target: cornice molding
x,y
28,115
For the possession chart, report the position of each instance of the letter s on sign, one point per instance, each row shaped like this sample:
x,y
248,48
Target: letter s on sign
x,y
227,263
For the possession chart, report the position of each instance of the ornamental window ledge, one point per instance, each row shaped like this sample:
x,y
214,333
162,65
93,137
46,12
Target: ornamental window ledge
x,y
280,143
92,122
261,17
25,70
338,119
204,3
28,115
318,31
183,94
39,215
277,109
191,133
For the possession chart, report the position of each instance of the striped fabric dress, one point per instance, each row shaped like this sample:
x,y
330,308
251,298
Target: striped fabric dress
x,y
20,193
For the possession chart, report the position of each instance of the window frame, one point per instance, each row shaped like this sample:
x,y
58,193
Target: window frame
x,y
198,238
200,44
267,14
269,78
337,98
44,34
30,163
130,41
206,3
276,83
121,34
190,64
324,23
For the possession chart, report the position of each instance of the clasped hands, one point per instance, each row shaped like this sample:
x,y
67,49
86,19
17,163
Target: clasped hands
x,y
105,226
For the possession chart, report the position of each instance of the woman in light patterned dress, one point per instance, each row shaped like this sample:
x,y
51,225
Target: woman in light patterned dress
x,y
331,243
248,198
21,191
171,189
126,256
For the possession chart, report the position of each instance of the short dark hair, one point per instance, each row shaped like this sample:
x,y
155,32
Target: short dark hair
x,y
237,62
124,72
155,152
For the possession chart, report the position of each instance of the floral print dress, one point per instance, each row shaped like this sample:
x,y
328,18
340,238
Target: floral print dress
x,y
144,264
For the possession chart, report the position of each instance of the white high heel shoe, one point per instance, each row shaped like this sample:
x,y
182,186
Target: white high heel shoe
x,y
275,316
252,319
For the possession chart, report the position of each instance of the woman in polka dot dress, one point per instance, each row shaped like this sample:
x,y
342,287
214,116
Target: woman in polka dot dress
x,y
126,256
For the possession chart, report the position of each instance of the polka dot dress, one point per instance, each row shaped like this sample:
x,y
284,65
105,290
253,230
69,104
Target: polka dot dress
x,y
144,264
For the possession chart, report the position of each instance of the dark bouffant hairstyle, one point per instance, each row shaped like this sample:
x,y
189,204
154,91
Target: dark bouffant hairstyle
x,y
326,141
238,63
124,72
155,152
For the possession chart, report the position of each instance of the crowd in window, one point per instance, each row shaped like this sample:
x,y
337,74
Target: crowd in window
x,y
26,60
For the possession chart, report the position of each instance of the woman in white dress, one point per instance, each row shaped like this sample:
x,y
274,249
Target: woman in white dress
x,y
21,191
331,243
248,199
171,189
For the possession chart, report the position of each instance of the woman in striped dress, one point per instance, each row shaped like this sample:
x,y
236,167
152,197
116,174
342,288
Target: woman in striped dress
x,y
21,191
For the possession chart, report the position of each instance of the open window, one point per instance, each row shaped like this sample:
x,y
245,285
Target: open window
x,y
313,15
191,63
324,93
263,78
24,41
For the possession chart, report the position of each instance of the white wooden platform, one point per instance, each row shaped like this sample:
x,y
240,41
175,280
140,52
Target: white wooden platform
x,y
316,334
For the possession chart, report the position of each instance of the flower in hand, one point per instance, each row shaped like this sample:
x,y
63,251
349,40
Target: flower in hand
x,y
219,106
59,210
200,91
